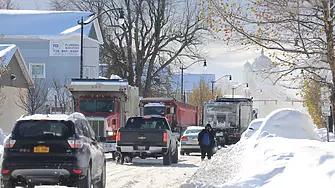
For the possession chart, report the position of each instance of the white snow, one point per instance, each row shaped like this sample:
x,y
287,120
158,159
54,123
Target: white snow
x,y
252,128
53,117
286,151
44,24
289,123
6,53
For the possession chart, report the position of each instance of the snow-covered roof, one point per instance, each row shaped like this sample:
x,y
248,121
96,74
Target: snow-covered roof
x,y
57,117
46,24
154,105
7,52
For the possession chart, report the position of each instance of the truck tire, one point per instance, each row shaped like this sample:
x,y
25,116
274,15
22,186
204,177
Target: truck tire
x,y
182,152
7,184
175,156
167,158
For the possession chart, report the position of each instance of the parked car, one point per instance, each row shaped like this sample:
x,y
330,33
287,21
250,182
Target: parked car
x,y
189,141
252,128
53,150
147,136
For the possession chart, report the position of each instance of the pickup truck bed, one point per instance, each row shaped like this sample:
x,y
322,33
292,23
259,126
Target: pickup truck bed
x,y
147,137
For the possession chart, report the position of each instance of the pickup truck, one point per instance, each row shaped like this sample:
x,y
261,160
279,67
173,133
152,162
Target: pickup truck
x,y
144,137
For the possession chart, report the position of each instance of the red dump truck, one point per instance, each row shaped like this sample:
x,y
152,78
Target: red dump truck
x,y
107,104
179,115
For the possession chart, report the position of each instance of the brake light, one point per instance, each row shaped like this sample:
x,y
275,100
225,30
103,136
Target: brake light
x,y
77,171
9,143
4,171
184,139
165,137
77,143
236,135
118,136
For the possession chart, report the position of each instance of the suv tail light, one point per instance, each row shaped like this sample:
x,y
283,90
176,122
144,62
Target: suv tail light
x,y
165,137
76,143
184,139
9,143
118,136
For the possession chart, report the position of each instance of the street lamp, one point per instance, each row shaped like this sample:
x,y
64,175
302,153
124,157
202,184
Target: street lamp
x,y
182,76
213,82
82,23
233,88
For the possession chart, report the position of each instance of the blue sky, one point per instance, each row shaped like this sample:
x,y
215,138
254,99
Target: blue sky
x,y
221,60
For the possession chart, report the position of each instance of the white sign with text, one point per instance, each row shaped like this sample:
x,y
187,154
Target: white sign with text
x,y
65,48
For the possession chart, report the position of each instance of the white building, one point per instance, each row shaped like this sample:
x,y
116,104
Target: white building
x,y
267,96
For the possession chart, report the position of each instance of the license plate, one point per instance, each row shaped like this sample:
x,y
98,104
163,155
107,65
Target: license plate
x,y
219,134
141,147
41,149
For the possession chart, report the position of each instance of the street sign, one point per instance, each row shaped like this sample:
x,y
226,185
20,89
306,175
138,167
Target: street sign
x,y
325,101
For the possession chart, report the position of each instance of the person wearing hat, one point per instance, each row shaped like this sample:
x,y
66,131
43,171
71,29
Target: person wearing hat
x,y
206,142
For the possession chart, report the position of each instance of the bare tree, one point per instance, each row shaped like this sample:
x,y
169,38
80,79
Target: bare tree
x,y
8,4
62,96
155,35
33,98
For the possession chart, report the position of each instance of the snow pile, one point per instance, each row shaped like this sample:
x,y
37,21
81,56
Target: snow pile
x,y
252,128
286,151
280,162
224,165
323,135
288,123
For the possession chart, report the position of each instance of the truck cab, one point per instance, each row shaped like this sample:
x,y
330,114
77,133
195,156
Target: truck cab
x,y
106,103
161,109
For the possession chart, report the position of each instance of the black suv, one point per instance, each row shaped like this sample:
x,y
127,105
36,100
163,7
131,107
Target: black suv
x,y
53,150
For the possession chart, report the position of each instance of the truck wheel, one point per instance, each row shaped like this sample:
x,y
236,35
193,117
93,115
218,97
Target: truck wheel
x,y
7,184
182,152
167,158
174,158
113,155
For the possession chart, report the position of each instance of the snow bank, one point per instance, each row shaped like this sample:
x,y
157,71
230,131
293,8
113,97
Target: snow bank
x,y
224,165
288,123
286,151
272,162
252,128
323,135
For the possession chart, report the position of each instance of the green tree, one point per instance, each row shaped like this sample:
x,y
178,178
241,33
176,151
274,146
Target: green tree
x,y
201,93
311,94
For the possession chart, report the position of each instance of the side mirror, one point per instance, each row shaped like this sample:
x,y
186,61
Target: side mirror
x,y
102,139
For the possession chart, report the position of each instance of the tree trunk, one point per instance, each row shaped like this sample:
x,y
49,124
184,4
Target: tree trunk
x,y
330,49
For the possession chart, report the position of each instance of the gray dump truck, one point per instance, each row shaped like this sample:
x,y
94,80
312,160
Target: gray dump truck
x,y
229,117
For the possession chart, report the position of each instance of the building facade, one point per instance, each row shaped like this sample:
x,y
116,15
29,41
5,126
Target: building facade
x,y
14,85
50,43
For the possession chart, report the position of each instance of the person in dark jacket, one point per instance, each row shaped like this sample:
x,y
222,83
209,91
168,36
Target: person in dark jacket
x,y
206,142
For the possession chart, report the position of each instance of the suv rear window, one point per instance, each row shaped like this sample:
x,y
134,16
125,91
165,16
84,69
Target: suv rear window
x,y
147,123
43,129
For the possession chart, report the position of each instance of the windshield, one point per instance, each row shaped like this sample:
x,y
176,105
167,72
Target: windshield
x,y
43,129
193,131
154,110
96,105
150,123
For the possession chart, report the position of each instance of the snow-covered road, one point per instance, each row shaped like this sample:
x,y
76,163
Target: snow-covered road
x,y
151,173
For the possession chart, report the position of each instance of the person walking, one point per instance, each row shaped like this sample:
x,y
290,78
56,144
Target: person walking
x,y
206,142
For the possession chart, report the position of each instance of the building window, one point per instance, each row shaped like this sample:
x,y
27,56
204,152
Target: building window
x,y
37,70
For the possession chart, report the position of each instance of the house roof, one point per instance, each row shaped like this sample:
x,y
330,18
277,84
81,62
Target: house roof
x,y
8,52
46,24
